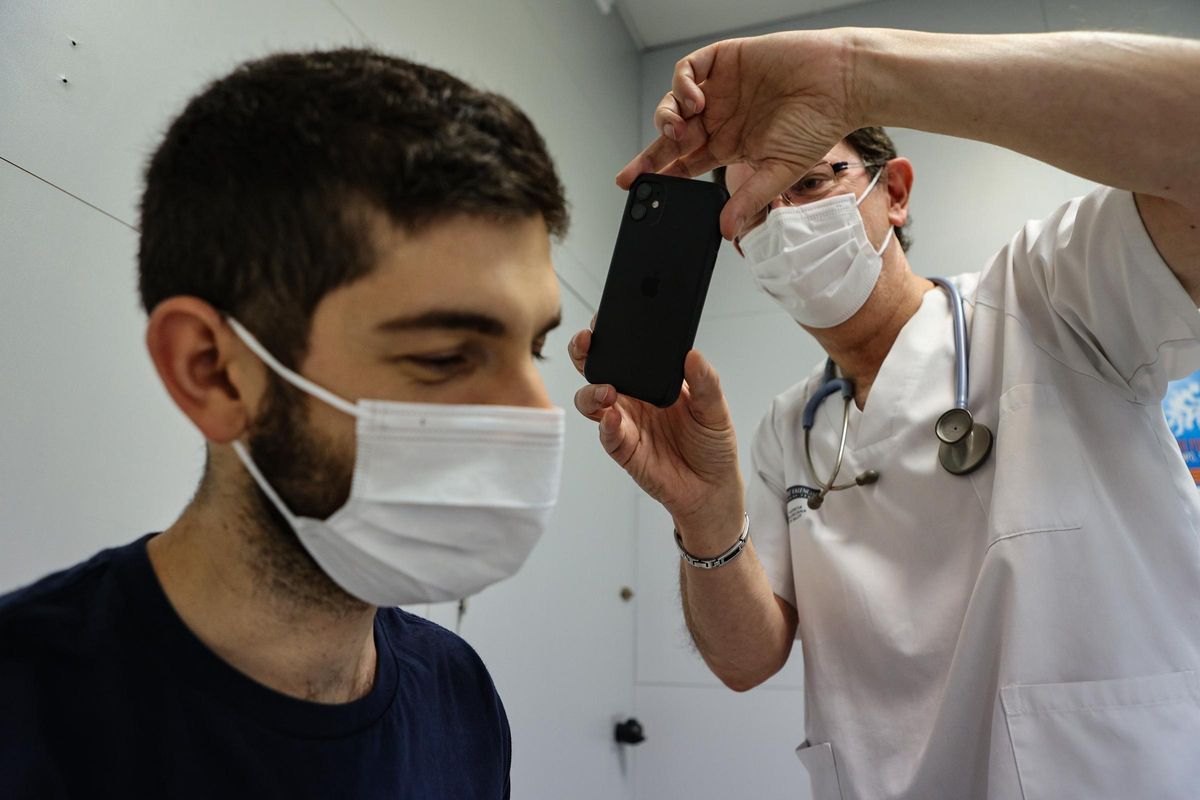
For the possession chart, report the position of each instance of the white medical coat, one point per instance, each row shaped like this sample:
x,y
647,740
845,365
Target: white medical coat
x,y
1031,630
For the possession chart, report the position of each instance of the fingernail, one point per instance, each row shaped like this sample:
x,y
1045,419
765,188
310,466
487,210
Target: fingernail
x,y
739,225
601,393
669,132
690,105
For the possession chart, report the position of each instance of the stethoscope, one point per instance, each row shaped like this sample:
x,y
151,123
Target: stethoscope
x,y
965,443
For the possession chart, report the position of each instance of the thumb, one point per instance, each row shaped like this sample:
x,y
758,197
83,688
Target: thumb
x,y
706,401
767,183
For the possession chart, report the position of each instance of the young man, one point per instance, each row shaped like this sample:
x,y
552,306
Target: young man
x,y
345,260
1007,617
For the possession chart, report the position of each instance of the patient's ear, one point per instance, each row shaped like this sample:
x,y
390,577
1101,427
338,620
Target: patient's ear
x,y
209,373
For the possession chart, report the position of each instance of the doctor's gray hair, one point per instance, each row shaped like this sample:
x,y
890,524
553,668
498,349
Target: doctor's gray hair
x,y
875,147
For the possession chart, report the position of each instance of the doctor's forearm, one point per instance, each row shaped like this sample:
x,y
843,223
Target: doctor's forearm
x,y
740,629
1119,109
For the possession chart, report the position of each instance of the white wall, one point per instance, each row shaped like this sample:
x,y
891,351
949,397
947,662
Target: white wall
x,y
93,453
968,199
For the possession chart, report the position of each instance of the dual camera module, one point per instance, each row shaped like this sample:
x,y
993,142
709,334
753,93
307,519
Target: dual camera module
x,y
647,200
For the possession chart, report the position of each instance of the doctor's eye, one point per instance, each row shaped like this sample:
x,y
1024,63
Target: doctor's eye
x,y
811,185
816,182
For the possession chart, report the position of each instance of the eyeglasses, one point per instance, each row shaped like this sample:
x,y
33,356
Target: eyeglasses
x,y
820,181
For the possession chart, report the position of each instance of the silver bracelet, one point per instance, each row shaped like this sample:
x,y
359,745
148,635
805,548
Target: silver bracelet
x,y
721,560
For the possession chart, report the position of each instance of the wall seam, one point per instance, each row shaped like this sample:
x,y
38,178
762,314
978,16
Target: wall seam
x,y
52,185
349,21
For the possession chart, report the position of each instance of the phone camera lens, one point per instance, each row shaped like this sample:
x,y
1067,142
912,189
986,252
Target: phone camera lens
x,y
638,212
643,191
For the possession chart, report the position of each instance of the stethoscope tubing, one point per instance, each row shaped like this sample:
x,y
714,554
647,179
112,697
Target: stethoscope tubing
x,y
961,363
832,383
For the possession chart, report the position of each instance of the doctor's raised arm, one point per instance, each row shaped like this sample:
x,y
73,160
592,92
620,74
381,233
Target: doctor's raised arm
x,y
1115,108
973,514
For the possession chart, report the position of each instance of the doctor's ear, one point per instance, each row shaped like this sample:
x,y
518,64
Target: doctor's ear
x,y
899,176
204,367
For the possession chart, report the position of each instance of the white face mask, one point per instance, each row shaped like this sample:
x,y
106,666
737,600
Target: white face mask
x,y
445,499
815,260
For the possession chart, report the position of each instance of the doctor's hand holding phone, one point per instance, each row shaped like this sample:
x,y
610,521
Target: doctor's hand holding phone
x,y
661,412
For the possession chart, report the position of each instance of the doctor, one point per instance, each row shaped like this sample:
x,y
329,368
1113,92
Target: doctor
x,y
1005,600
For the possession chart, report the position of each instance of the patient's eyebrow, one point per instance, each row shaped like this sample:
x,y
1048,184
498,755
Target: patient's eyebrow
x,y
446,319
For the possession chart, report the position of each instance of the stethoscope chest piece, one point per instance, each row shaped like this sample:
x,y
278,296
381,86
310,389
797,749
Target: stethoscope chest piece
x,y
965,444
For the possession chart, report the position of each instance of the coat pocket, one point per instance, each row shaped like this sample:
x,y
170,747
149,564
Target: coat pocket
x,y
1124,738
1040,482
818,761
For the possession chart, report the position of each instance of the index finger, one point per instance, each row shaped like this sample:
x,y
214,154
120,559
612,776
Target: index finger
x,y
690,72
661,152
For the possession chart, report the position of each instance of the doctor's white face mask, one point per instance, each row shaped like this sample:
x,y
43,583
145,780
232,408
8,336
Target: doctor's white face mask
x,y
815,259
445,499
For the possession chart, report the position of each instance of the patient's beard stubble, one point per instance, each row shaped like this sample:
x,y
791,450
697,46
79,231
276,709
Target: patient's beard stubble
x,y
313,480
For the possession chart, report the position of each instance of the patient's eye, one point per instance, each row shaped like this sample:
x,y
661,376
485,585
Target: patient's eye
x,y
438,362
433,368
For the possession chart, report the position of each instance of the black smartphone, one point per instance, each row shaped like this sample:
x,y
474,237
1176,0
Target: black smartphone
x,y
654,294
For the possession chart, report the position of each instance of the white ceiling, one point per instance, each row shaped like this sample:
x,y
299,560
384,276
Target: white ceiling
x,y
654,23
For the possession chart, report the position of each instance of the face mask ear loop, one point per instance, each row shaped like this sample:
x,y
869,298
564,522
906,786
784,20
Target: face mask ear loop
x,y
859,200
295,379
886,240
263,484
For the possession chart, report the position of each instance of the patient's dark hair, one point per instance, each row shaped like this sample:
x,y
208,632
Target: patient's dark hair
x,y
873,146
259,199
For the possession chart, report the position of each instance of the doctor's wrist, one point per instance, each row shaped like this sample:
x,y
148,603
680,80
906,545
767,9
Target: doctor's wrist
x,y
709,534
729,554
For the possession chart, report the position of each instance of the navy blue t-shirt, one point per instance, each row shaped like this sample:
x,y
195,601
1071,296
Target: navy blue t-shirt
x,y
105,693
